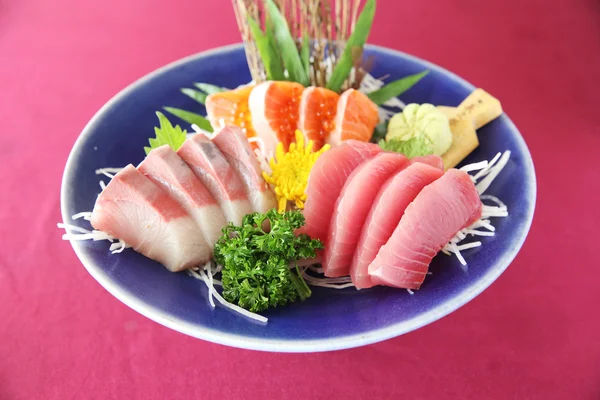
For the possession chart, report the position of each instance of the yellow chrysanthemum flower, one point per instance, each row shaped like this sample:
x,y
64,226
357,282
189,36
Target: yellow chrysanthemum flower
x,y
290,171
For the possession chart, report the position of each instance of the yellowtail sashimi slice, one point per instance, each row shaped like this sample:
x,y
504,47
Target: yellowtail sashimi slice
x,y
136,210
165,168
220,178
235,147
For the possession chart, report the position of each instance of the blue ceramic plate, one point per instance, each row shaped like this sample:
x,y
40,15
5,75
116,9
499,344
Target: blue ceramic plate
x,y
330,319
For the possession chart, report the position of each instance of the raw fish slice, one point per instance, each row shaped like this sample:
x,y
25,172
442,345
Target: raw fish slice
x,y
444,207
220,178
326,180
385,214
135,209
235,147
230,108
274,107
165,168
318,107
433,160
355,119
352,207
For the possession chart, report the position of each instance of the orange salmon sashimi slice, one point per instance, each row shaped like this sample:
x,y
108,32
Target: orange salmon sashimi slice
x,y
274,106
231,108
356,118
318,108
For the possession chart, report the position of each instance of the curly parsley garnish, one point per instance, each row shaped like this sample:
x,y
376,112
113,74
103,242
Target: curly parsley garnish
x,y
256,259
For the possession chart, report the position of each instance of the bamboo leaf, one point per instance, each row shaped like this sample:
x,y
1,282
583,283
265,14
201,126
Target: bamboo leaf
x,y
275,54
396,88
356,41
209,89
380,131
190,117
305,52
286,45
268,55
194,94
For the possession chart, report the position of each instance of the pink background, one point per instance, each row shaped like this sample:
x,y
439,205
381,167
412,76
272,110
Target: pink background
x,y
535,334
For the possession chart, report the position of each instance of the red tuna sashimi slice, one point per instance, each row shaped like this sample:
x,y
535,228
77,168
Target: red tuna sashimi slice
x,y
385,214
170,172
352,207
235,147
441,209
326,180
220,178
433,160
135,209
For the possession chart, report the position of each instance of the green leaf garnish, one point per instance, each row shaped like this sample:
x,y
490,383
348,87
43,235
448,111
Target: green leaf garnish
x,y
194,94
256,260
190,117
267,53
277,64
413,147
208,88
396,88
380,131
356,41
286,45
305,52
166,134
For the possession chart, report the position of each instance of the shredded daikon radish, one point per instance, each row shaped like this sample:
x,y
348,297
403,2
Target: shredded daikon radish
x,y
118,247
109,172
456,252
478,233
468,246
475,167
316,269
333,283
217,269
87,215
494,199
225,303
211,288
83,234
488,171
73,228
102,185
493,173
410,292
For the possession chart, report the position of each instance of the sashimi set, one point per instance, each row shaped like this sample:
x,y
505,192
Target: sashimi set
x,y
313,174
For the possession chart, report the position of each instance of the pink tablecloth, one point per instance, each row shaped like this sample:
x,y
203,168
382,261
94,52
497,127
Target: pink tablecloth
x,y
535,334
